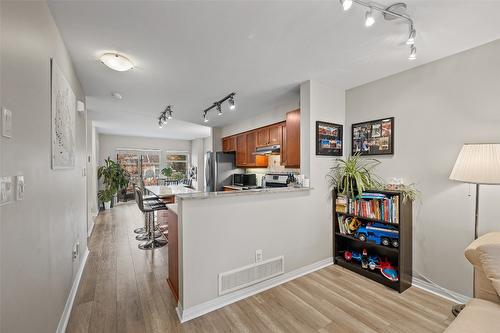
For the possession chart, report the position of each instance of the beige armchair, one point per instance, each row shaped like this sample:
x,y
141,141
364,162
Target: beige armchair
x,y
482,313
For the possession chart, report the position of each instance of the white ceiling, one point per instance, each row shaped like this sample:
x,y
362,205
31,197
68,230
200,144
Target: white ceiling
x,y
190,54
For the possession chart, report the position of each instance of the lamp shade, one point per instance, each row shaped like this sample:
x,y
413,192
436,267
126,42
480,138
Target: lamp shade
x,y
478,164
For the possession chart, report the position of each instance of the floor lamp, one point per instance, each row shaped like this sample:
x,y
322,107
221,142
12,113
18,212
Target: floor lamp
x,y
477,164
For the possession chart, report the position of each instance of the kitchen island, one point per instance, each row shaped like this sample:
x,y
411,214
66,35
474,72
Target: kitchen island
x,y
220,233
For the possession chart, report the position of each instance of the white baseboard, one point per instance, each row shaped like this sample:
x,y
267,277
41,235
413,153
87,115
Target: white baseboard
x,y
440,291
63,322
221,301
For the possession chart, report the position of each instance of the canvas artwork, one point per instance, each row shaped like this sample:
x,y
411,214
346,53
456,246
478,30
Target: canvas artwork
x,y
63,108
373,137
329,139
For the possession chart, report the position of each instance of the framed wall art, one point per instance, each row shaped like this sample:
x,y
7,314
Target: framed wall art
x,y
374,137
329,139
63,109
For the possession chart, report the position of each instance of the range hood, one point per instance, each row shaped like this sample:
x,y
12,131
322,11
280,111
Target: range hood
x,y
267,150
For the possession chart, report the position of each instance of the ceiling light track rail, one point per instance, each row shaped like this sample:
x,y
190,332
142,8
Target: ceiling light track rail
x,y
218,106
392,12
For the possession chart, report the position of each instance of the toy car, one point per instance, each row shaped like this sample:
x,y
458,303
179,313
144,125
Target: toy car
x,y
373,262
378,233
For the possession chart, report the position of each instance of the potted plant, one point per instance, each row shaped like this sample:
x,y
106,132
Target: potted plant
x,y
114,178
106,196
354,175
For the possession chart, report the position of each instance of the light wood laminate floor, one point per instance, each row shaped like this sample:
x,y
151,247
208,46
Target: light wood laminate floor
x,y
124,289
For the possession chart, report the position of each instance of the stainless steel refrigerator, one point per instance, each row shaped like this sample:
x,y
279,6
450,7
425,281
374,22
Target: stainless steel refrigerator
x,y
219,168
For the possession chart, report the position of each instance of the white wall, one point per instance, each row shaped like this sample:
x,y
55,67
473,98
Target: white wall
x,y
38,233
109,143
92,160
438,107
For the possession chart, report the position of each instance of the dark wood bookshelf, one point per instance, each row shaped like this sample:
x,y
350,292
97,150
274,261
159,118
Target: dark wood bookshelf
x,y
400,257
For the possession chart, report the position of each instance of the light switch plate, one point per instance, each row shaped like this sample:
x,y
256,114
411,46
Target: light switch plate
x,y
19,188
6,123
5,190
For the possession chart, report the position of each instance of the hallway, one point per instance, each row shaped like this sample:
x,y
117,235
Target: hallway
x,y
124,289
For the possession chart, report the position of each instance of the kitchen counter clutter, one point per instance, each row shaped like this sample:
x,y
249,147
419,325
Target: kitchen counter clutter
x,y
256,191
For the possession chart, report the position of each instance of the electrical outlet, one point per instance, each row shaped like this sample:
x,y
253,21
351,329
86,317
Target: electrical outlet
x,y
258,255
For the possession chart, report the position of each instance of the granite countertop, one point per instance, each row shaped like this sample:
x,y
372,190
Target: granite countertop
x,y
224,194
170,190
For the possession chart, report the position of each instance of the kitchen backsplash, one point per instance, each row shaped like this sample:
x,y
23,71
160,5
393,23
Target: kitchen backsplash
x,y
272,166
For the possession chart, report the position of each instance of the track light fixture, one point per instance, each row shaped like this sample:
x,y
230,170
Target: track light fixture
x,y
392,12
413,53
369,19
411,37
346,4
218,106
164,116
231,104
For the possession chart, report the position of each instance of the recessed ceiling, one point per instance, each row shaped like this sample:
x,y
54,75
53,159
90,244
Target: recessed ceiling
x,y
191,54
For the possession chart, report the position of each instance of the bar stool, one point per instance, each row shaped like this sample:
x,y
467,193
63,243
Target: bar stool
x,y
142,230
149,208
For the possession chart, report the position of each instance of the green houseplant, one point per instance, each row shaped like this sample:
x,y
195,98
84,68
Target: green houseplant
x,y
114,178
354,175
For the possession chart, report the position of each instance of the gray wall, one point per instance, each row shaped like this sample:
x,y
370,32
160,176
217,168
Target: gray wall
x,y
38,233
437,108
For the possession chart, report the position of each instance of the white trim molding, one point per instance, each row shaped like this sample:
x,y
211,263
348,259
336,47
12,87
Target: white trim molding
x,y
440,291
63,322
221,301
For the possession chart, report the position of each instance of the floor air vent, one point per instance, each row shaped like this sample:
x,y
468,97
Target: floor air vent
x,y
251,274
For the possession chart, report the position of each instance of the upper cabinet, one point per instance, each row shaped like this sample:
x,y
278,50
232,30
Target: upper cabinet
x,y
292,159
286,134
241,150
229,144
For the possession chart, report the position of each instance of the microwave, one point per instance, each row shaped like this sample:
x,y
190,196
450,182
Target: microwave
x,y
244,179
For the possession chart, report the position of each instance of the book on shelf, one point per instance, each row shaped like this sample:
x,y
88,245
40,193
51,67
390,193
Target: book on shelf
x,y
376,206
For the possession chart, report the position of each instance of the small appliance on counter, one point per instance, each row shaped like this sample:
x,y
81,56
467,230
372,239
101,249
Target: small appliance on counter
x,y
278,179
245,179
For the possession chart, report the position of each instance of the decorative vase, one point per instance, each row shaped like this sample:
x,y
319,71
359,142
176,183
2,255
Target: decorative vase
x,y
107,205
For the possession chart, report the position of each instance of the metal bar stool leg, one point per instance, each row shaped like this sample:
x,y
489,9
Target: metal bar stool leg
x,y
153,241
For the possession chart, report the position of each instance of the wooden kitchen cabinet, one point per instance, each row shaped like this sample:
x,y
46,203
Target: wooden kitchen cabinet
x,y
254,161
241,150
292,158
283,144
263,137
229,144
275,134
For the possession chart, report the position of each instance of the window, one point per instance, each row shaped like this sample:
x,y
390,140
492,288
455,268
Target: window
x,y
130,160
177,165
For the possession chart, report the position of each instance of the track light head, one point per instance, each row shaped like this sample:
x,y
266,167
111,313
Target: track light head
x,y
205,118
411,37
219,109
413,53
369,19
168,112
231,103
346,4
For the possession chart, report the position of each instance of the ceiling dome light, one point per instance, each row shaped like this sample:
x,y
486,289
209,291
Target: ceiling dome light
x,y
411,37
413,53
346,4
231,104
369,19
116,62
